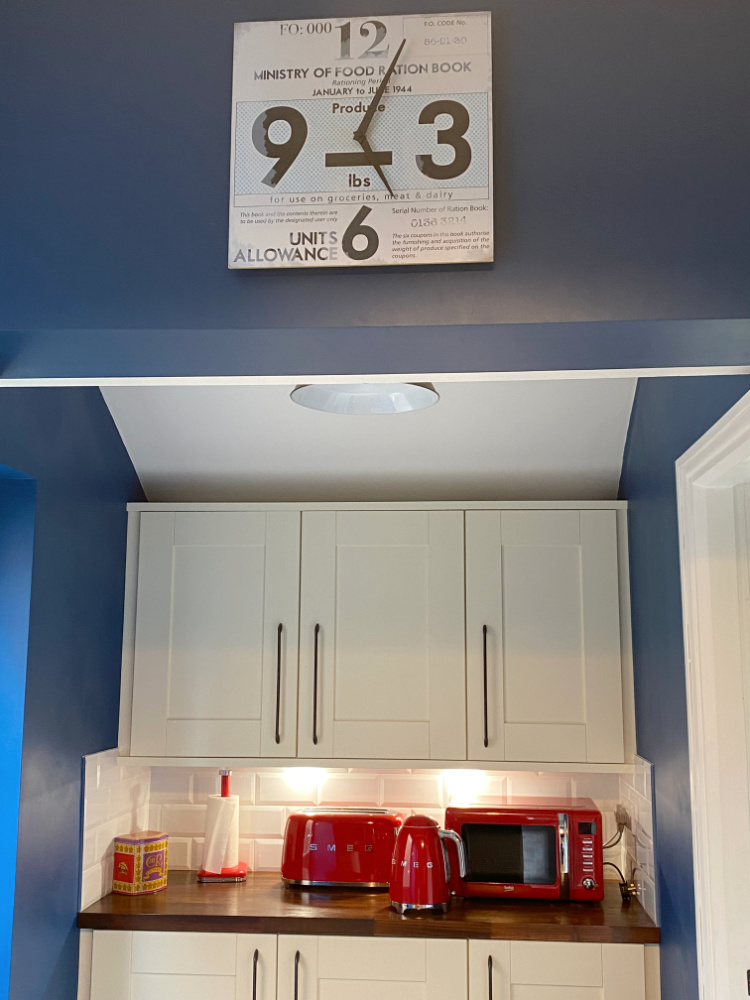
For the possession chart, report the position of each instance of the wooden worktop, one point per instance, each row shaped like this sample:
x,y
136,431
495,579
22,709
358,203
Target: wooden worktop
x,y
262,905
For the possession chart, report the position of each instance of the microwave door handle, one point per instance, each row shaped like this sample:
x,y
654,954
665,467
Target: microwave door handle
x,y
564,842
450,835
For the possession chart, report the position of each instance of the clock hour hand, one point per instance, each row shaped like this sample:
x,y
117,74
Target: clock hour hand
x,y
370,156
361,132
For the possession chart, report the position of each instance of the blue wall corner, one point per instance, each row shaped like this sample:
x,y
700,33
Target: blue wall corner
x,y
17,502
669,415
66,440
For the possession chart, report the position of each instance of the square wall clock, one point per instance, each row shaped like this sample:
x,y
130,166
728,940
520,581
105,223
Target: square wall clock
x,y
361,141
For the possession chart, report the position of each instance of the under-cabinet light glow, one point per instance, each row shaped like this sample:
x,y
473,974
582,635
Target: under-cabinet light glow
x,y
304,780
464,788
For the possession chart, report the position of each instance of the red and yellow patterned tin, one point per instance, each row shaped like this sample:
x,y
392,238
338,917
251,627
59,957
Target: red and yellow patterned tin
x,y
140,862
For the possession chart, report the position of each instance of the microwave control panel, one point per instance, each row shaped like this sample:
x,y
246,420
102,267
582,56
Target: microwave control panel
x,y
587,875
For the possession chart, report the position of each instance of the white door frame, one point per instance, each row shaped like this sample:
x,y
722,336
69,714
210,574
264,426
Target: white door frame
x,y
713,620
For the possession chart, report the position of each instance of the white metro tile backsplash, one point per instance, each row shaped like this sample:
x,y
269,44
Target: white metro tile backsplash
x,y
183,820
262,821
115,801
636,794
273,788
267,796
173,799
411,790
349,789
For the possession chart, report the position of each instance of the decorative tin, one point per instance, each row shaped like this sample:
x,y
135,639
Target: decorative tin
x,y
140,862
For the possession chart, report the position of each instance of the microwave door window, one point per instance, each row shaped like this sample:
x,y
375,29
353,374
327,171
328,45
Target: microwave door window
x,y
539,855
510,853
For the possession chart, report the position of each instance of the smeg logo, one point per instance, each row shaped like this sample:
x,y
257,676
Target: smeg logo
x,y
332,847
414,864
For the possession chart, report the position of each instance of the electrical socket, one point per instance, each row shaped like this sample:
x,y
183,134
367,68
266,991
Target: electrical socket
x,y
622,816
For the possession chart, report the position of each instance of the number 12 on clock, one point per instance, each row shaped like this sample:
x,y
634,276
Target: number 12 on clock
x,y
361,141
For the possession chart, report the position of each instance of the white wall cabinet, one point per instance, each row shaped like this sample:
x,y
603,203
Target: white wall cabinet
x,y
531,970
382,659
543,636
406,634
171,965
210,666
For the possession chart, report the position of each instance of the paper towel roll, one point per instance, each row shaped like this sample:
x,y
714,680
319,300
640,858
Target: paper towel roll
x,y
222,844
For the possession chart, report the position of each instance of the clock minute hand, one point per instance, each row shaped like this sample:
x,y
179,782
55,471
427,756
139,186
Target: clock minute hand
x,y
361,132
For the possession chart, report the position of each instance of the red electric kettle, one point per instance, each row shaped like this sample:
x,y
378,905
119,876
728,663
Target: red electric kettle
x,y
420,870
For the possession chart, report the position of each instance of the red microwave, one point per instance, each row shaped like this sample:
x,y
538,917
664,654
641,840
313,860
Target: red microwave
x,y
530,849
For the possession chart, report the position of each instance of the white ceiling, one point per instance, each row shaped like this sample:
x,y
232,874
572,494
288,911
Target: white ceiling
x,y
528,440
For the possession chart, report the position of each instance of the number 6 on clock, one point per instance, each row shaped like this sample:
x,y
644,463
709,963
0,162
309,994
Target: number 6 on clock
x,y
357,227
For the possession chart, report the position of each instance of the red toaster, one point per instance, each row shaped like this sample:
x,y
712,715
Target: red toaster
x,y
349,847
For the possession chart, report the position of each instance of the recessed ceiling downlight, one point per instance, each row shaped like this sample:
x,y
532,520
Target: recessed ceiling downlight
x,y
365,398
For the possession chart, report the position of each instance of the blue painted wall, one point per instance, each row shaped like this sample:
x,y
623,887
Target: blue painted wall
x,y
622,156
366,350
17,502
669,415
66,441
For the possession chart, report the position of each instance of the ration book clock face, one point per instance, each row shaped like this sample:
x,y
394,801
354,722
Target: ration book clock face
x,y
361,141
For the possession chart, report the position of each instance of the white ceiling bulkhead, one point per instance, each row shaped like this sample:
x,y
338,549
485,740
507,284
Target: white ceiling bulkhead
x,y
526,440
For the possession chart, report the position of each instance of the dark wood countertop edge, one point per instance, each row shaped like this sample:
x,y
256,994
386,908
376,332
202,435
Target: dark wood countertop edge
x,y
338,927
263,906
225,924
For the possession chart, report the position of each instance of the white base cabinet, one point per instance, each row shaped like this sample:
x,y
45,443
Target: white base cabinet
x,y
531,970
180,965
341,968
154,965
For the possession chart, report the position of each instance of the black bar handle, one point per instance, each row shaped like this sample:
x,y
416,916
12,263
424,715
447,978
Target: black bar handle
x,y
489,977
255,974
484,659
296,975
278,682
315,688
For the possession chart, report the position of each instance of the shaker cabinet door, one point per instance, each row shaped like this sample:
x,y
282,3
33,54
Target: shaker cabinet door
x,y
182,965
542,970
544,676
342,968
216,640
382,657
